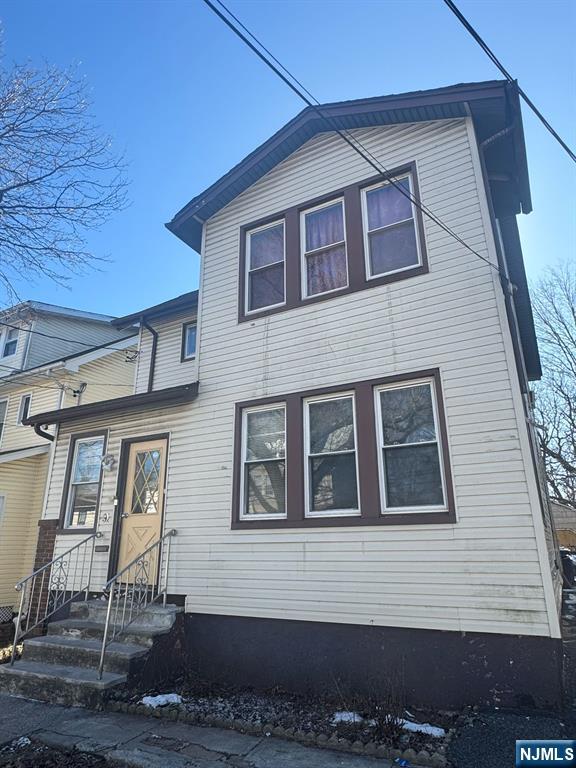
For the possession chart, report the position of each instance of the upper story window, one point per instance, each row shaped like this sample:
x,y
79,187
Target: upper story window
x,y
265,267
188,341
365,235
324,266
390,240
85,473
24,410
10,342
263,479
3,409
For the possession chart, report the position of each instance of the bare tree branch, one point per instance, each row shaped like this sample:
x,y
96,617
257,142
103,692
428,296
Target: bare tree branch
x,y
59,177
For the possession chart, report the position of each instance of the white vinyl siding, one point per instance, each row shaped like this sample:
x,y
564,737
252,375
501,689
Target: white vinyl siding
x,y
481,574
169,369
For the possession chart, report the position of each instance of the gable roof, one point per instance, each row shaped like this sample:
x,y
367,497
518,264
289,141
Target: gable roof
x,y
186,301
494,105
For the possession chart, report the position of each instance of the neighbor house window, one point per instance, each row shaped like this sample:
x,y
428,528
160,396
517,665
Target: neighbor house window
x,y
188,341
24,409
265,273
3,409
324,265
411,473
263,492
10,342
390,239
84,484
331,478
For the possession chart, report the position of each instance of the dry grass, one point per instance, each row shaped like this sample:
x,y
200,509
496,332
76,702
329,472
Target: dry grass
x,y
6,653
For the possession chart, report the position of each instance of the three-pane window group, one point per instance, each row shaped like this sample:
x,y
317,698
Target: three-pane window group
x,y
411,472
390,246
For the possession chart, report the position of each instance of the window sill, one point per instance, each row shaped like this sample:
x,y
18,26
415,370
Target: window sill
x,y
403,518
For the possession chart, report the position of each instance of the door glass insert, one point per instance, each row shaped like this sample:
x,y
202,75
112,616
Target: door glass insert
x,y
146,488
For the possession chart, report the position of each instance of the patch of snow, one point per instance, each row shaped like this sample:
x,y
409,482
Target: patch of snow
x,y
162,700
351,717
22,742
429,730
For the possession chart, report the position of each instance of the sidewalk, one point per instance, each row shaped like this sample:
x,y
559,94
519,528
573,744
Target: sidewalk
x,y
152,743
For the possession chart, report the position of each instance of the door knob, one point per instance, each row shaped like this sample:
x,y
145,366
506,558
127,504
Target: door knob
x,y
124,515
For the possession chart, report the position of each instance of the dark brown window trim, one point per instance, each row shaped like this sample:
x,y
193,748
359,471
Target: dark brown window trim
x,y
357,279
367,457
185,326
62,529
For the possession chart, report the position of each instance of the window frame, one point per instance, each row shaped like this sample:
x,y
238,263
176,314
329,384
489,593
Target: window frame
x,y
247,234
6,340
367,447
21,408
4,421
424,509
185,326
308,512
63,526
242,515
294,296
366,232
304,253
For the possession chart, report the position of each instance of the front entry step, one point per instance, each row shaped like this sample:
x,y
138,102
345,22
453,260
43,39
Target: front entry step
x,y
62,666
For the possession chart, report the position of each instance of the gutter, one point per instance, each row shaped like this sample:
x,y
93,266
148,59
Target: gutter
x,y
40,432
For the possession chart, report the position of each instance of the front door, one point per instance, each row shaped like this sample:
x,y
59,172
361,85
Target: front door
x,y
143,501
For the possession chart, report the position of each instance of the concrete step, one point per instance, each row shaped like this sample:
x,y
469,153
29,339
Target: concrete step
x,y
154,615
77,652
83,629
57,683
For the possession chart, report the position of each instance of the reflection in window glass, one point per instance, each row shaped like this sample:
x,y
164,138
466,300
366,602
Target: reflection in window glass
x,y
85,482
264,466
265,267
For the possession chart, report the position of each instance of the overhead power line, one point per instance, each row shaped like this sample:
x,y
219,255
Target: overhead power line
x,y
303,93
70,341
492,56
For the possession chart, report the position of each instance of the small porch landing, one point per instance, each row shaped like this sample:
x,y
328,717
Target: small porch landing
x,y
62,666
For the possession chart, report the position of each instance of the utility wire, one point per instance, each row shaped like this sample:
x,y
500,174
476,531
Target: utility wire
x,y
492,56
303,93
70,341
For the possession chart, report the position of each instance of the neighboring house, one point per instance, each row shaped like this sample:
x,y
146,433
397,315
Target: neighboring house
x,y
565,523
344,440
41,370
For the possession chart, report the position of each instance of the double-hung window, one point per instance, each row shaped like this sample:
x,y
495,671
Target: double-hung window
x,y
188,341
263,494
24,410
411,473
389,220
3,409
324,260
265,267
85,479
10,342
331,471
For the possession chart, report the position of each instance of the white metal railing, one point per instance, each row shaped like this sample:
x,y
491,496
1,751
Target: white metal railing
x,y
139,584
54,585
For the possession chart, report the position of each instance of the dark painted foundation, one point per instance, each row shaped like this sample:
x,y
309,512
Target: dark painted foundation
x,y
434,668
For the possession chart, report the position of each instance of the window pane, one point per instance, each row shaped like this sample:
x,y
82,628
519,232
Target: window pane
x,y
146,489
393,248
3,404
266,287
83,505
267,246
324,227
88,458
333,483
387,205
266,434
413,476
190,347
407,415
331,425
326,271
265,488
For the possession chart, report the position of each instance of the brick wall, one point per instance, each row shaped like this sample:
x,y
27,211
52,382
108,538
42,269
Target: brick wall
x,y
44,554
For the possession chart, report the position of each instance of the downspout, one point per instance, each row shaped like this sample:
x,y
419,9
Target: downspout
x,y
40,432
154,334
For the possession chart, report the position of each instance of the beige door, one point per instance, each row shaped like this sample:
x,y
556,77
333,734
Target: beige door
x,y
143,503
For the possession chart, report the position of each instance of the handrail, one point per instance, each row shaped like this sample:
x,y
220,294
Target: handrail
x,y
61,587
139,584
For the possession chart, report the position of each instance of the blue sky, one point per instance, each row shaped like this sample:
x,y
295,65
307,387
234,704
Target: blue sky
x,y
185,100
